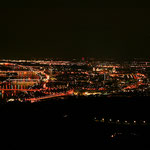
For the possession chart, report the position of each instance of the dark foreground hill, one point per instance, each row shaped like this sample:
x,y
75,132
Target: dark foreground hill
x,y
69,123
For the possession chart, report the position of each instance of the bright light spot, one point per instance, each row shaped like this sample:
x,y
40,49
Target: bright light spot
x,y
112,136
103,120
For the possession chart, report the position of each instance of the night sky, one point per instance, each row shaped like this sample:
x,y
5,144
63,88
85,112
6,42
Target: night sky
x,y
73,29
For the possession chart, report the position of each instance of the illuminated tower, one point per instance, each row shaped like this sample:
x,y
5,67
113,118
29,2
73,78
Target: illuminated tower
x,y
83,58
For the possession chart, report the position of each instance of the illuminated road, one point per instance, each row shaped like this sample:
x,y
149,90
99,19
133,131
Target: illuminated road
x,y
50,96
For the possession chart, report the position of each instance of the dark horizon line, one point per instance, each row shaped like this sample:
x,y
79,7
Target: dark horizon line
x,y
75,58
